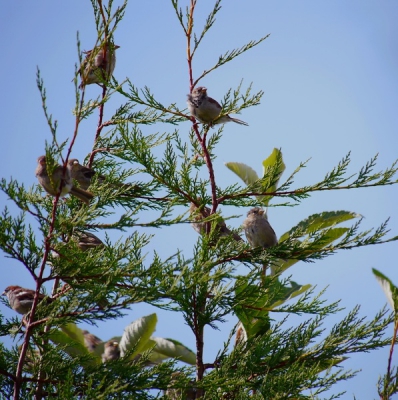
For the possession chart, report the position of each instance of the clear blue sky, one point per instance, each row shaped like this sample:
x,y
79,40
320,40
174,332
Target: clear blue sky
x,y
329,73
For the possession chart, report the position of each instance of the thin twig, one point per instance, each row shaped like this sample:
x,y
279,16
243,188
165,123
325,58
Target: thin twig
x,y
99,126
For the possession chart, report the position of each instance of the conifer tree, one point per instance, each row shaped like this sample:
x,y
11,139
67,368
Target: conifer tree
x,y
157,180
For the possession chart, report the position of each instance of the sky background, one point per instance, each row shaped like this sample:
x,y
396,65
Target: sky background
x,y
329,74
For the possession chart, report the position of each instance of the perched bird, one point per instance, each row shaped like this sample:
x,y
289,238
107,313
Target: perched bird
x,y
59,181
200,227
91,341
83,176
259,232
98,65
80,173
206,109
175,393
21,299
86,240
32,358
111,351
241,334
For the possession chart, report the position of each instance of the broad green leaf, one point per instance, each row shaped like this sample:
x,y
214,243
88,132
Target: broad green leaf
x,y
273,168
138,334
329,237
74,347
389,289
319,221
156,358
75,333
292,292
174,349
253,311
246,173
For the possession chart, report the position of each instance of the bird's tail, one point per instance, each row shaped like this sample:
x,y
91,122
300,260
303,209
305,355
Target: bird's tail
x,y
239,121
81,194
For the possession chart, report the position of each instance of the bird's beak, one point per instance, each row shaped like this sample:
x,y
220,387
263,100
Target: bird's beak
x,y
261,212
4,294
116,46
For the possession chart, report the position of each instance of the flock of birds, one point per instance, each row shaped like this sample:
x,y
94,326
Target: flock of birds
x,y
97,67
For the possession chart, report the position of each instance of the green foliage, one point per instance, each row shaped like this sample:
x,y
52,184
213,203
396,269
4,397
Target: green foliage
x,y
388,384
149,180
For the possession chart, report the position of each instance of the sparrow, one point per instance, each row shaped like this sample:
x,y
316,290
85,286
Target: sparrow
x,y
32,357
241,335
80,173
86,240
259,232
206,109
200,227
111,351
98,65
91,341
21,299
83,175
187,393
52,184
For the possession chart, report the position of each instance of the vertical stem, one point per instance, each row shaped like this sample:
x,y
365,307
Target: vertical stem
x,y
202,140
39,281
388,376
99,126
39,390
199,335
189,33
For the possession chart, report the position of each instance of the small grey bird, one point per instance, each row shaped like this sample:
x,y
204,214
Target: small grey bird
x,y
80,173
86,240
186,393
59,181
206,109
21,299
98,65
200,227
83,176
91,341
258,230
111,351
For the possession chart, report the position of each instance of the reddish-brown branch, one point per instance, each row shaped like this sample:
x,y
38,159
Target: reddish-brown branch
x,y
99,126
188,34
385,395
7,374
40,380
39,279
39,282
198,331
100,150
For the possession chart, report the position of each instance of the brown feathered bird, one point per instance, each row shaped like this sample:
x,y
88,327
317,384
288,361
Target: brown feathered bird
x,y
258,230
111,351
87,240
83,175
98,65
60,181
206,109
200,227
80,173
21,299
91,341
